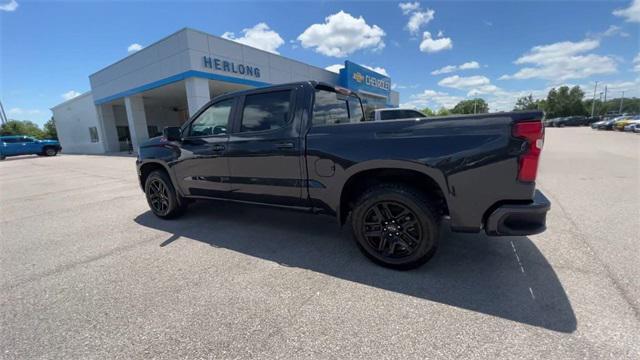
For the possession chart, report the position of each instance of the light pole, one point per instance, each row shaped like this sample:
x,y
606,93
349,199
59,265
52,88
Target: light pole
x,y
593,103
621,101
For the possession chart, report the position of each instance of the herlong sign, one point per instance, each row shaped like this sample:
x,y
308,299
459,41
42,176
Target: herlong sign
x,y
231,67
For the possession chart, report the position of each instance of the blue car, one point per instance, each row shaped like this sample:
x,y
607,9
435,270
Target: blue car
x,y
26,145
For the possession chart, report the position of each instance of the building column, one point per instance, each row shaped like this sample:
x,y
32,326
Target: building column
x,y
197,93
108,130
137,120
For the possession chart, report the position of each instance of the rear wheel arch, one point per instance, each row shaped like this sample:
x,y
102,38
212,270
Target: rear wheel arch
x,y
358,184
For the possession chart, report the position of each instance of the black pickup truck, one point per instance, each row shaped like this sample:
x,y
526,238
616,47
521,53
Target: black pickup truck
x,y
307,146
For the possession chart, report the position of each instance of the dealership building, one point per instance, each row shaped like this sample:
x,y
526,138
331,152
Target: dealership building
x,y
168,81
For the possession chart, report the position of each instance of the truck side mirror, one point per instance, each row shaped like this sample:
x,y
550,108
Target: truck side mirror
x,y
172,133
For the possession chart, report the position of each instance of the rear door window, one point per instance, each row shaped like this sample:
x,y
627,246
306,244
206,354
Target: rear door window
x,y
267,111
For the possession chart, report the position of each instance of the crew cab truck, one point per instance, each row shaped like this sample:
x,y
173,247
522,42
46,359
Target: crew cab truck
x,y
14,145
306,146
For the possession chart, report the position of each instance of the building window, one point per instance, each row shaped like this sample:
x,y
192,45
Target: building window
x,y
93,133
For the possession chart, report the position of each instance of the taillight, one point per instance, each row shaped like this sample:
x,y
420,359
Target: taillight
x,y
533,132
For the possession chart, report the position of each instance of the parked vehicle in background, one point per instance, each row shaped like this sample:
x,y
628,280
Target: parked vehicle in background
x,y
608,124
306,146
569,121
15,145
597,124
394,114
620,124
631,127
548,122
591,120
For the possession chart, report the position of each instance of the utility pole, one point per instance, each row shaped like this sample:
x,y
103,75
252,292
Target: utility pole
x,y
593,103
621,101
3,116
475,102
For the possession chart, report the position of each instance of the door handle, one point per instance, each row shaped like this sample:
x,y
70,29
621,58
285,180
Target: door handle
x,y
218,147
285,145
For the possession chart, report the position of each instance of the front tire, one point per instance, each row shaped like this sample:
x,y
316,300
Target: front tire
x,y
162,197
395,227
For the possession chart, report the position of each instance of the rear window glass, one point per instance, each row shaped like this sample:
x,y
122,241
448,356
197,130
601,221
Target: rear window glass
x,y
332,108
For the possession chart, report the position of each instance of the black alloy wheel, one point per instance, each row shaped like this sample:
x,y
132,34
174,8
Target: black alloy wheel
x,y
162,197
395,226
158,197
392,229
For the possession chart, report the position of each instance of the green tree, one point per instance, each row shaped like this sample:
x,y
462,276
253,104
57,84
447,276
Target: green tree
x,y
629,106
565,102
50,131
443,111
471,106
427,111
21,127
528,103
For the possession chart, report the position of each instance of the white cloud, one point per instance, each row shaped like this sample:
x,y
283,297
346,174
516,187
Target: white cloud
x,y
336,69
613,30
70,95
134,47
433,99
409,7
451,68
636,63
631,14
342,34
470,65
418,19
260,36
430,45
461,82
16,111
563,61
445,70
12,5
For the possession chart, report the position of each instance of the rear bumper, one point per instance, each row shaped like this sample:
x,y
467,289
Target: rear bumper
x,y
519,219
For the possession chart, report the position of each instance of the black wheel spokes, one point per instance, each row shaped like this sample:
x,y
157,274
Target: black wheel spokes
x,y
392,229
159,196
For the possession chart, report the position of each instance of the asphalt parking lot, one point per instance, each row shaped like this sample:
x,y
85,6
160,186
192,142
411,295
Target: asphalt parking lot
x,y
88,272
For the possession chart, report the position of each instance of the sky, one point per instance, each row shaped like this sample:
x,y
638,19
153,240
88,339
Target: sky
x,y
436,52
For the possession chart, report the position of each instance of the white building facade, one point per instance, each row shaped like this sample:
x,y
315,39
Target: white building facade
x,y
168,81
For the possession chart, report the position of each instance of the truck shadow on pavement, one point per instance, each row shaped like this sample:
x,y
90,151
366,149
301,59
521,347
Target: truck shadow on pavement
x,y
504,277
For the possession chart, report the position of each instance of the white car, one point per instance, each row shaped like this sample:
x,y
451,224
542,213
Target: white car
x,y
393,114
632,126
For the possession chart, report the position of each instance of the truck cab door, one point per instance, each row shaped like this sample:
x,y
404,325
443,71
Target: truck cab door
x,y
203,166
265,150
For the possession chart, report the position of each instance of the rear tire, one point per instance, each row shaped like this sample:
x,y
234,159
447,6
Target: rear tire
x,y
162,197
395,227
50,151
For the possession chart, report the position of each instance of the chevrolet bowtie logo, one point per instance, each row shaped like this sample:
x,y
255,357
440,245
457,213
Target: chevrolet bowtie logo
x,y
358,77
